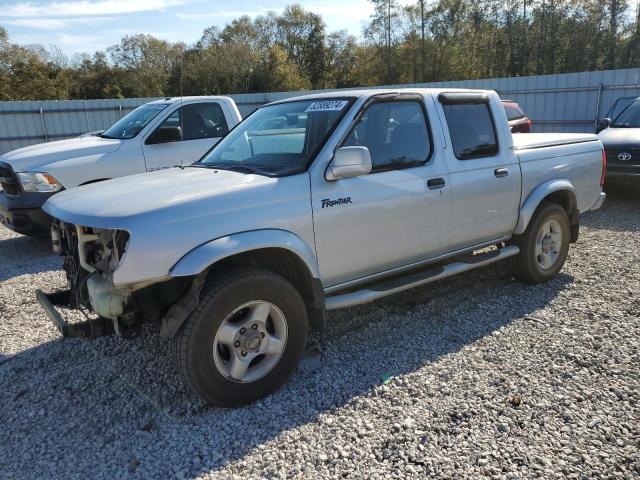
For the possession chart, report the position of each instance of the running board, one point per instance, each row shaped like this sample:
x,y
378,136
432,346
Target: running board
x,y
400,284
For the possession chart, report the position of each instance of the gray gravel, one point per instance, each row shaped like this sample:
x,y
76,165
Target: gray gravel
x,y
477,376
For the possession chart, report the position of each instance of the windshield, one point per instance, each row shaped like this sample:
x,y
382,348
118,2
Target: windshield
x,y
133,122
279,139
630,116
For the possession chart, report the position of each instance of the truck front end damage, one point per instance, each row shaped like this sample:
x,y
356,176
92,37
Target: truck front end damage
x,y
91,256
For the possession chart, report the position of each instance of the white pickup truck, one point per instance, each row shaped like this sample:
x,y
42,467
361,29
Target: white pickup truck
x,y
312,204
160,134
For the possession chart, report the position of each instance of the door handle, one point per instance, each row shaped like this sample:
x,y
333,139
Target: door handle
x,y
435,183
501,172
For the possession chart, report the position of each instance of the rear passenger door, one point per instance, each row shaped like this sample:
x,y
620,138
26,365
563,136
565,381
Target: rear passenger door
x,y
202,125
484,170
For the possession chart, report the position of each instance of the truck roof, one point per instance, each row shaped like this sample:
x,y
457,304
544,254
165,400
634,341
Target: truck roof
x,y
368,92
170,100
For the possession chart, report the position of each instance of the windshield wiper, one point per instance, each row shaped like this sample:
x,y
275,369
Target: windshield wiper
x,y
231,168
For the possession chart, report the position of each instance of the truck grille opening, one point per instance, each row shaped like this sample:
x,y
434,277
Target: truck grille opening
x,y
8,180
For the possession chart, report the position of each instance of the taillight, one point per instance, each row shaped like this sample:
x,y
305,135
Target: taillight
x,y
529,122
604,167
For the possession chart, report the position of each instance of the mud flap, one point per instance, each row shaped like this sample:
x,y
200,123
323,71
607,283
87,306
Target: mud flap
x,y
89,329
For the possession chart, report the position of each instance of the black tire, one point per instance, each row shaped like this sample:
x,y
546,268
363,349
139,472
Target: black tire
x,y
526,265
193,345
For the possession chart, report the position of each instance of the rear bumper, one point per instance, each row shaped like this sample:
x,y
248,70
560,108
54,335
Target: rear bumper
x,y
23,213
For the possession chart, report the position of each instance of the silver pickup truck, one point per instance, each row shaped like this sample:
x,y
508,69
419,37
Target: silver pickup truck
x,y
313,204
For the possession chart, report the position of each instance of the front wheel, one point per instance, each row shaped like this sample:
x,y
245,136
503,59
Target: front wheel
x,y
543,246
244,339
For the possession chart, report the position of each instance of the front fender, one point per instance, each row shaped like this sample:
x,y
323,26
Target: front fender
x,y
205,255
535,198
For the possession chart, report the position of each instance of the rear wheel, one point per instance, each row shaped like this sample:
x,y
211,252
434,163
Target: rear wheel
x,y
244,339
543,246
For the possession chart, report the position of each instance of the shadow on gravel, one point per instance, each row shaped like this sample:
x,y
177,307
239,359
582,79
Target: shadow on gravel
x,y
115,408
24,255
620,212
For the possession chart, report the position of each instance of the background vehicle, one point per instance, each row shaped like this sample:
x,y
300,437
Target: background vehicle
x,y
159,134
313,204
621,140
518,120
618,106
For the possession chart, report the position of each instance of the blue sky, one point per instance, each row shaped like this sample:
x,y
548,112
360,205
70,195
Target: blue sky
x,y
89,25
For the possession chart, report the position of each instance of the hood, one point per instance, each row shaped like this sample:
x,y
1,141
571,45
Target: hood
x,y
160,197
35,157
170,212
619,137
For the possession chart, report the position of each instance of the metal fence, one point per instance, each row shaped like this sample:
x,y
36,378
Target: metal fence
x,y
569,102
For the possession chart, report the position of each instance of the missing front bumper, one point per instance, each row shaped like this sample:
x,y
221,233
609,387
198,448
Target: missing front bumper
x,y
89,329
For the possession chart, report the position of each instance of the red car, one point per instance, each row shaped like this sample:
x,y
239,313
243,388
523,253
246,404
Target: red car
x,y
518,121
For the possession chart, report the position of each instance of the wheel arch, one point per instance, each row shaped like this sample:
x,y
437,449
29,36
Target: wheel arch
x,y
277,251
561,192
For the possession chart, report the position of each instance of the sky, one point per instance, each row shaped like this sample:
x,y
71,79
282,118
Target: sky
x,y
90,25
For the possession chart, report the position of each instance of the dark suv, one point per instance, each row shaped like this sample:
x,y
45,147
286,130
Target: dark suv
x,y
621,140
518,121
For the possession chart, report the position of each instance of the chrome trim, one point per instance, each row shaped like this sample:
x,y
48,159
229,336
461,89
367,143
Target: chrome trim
x,y
366,295
411,266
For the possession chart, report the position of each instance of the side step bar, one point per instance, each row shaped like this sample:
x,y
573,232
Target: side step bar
x,y
433,274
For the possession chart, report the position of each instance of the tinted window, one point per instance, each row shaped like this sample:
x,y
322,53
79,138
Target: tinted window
x,y
630,116
513,111
395,133
198,120
203,120
472,130
619,106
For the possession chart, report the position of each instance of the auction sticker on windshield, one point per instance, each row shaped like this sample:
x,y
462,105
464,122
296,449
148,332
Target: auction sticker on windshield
x,y
327,106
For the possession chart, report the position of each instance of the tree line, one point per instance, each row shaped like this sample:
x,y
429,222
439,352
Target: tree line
x,y
427,41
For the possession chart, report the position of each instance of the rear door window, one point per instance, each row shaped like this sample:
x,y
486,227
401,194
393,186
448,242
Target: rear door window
x,y
472,130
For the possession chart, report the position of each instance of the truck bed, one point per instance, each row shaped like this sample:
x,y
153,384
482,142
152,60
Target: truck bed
x,y
526,141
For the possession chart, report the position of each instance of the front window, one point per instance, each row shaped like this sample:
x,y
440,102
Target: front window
x,y
279,139
395,133
133,122
630,117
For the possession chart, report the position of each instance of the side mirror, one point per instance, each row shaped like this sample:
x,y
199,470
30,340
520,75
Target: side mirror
x,y
349,162
603,123
165,135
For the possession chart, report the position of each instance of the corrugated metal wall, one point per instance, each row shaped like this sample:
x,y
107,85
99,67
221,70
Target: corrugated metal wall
x,y
556,103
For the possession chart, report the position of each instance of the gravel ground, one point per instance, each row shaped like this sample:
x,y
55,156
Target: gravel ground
x,y
477,376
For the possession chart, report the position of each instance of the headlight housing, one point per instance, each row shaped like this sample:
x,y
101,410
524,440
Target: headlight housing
x,y
38,182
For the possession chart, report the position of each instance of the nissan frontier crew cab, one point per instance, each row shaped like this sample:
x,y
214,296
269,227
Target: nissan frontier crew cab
x,y
157,135
312,204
